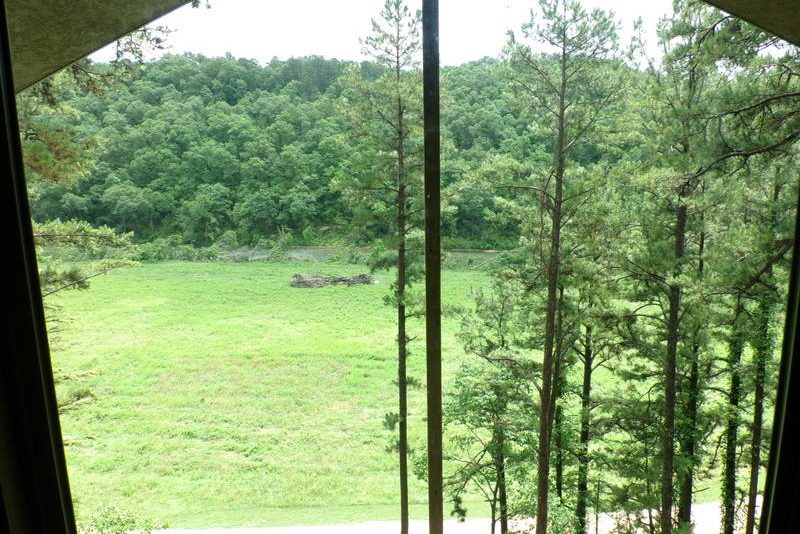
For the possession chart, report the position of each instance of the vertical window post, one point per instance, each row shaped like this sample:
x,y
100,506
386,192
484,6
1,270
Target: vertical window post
x,y
779,511
433,294
34,491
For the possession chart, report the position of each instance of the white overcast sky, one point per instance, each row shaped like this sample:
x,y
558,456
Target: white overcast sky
x,y
263,29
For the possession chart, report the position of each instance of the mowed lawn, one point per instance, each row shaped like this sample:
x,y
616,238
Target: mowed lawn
x,y
224,397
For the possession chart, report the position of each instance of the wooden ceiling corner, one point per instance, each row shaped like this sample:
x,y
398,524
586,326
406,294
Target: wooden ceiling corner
x,y
48,35
781,17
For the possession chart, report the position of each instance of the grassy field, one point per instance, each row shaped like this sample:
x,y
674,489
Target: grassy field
x,y
214,394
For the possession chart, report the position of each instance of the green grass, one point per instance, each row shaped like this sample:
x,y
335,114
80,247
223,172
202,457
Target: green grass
x,y
224,397
214,394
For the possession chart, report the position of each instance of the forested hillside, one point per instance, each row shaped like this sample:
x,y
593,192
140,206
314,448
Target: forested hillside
x,y
196,147
623,356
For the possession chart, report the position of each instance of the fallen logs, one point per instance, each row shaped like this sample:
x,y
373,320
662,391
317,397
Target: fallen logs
x,y
318,280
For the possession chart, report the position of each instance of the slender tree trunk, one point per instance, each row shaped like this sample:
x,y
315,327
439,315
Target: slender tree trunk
x,y
686,490
736,347
670,382
503,503
651,523
763,348
763,353
402,337
583,441
402,382
553,272
597,508
500,469
558,391
558,449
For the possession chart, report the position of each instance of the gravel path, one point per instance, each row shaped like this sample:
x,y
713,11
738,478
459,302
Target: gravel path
x,y
706,518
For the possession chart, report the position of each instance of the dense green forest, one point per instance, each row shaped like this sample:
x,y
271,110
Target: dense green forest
x,y
197,147
625,353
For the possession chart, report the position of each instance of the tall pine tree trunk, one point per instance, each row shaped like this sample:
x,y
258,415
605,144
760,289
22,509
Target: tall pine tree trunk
x,y
558,449
402,337
670,375
583,441
553,271
558,391
736,347
392,47
651,523
763,353
500,470
403,402
763,346
546,394
689,452
686,490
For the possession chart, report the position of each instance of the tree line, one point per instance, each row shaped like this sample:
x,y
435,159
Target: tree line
x,y
624,355
200,148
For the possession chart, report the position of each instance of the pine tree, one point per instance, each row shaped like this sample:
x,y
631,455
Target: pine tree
x,y
384,179
572,92
492,401
671,266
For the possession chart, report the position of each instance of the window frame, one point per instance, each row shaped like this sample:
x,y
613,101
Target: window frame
x,y
34,488
33,474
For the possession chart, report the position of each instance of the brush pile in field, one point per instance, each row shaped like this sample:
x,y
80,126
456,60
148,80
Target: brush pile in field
x,y
318,280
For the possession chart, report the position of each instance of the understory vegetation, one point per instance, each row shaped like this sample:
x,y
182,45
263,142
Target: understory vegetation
x,y
617,354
